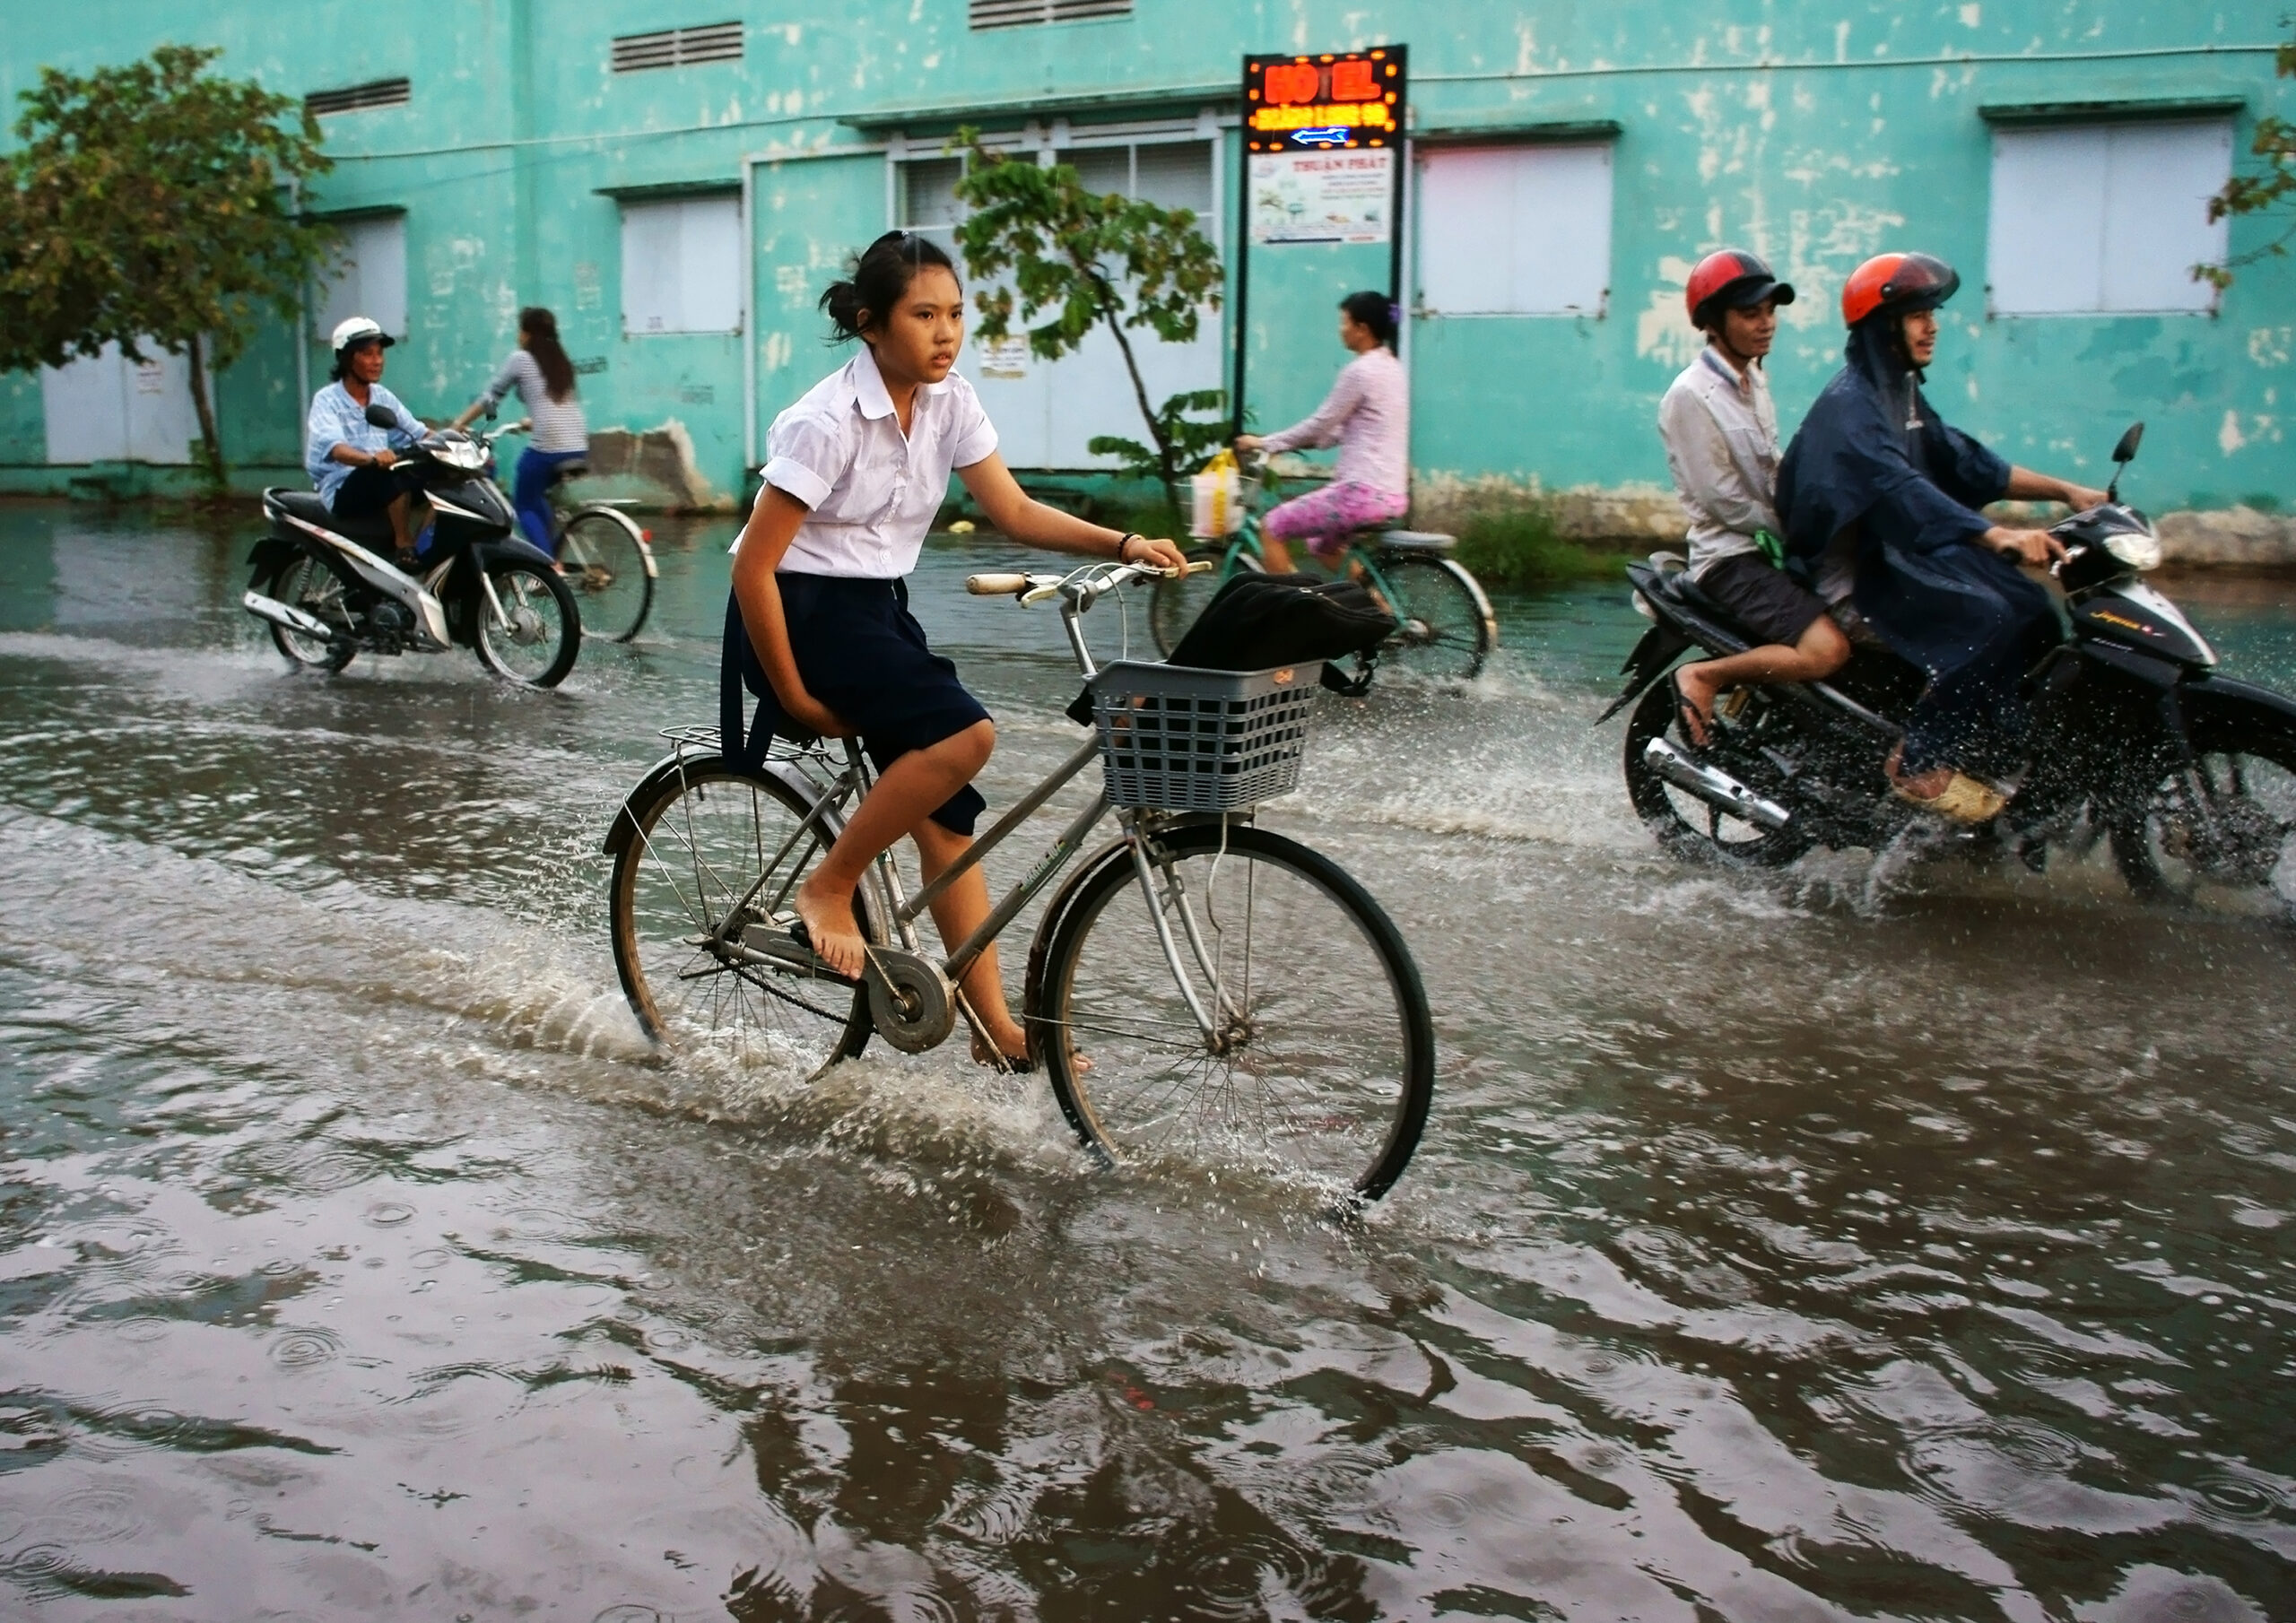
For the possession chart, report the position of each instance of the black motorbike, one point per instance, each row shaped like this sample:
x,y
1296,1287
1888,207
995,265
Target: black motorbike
x,y
327,587
2191,776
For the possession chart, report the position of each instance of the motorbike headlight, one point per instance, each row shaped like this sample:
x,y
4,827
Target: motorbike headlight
x,y
2140,549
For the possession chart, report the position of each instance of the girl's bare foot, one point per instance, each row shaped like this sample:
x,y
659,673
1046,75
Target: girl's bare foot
x,y
829,926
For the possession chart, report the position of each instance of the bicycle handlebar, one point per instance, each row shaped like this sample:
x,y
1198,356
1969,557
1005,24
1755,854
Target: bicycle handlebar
x,y
1087,583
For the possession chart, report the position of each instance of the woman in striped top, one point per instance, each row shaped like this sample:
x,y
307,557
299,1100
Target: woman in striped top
x,y
543,378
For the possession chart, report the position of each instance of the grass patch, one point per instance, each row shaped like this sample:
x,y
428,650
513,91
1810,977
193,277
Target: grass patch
x,y
1516,543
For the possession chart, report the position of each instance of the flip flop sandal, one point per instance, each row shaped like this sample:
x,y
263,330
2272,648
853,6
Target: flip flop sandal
x,y
1686,713
1962,800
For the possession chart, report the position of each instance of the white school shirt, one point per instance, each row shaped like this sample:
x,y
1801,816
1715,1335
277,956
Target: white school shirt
x,y
1721,435
870,491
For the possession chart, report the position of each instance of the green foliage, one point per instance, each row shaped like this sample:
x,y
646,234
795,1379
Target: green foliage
x,y
1515,542
1182,440
154,203
2261,192
1072,260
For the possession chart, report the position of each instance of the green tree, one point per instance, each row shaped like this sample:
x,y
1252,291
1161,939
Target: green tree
x,y
2263,191
155,204
1081,259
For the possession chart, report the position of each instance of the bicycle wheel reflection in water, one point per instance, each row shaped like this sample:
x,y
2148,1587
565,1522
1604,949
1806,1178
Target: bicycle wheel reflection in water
x,y
713,851
1320,1062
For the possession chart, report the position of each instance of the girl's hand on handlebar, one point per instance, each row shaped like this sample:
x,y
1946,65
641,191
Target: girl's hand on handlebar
x,y
1157,554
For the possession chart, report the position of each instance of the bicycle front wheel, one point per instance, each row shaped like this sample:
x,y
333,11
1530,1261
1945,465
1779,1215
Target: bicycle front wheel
x,y
708,852
604,553
1448,628
1320,1063
1174,603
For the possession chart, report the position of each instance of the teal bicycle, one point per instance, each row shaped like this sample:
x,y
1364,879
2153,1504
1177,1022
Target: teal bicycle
x,y
1444,629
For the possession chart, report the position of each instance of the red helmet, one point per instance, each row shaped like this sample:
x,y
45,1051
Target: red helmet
x,y
1899,283
1731,279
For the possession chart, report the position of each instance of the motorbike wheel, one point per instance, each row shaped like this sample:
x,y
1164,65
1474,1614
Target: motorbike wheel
x,y
605,554
540,630
304,583
1448,629
1174,604
1686,827
2223,832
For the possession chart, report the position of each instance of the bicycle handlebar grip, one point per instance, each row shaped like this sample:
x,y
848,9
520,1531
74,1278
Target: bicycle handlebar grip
x,y
1198,566
995,585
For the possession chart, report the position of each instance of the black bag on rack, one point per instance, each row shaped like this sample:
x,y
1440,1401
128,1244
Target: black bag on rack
x,y
1257,622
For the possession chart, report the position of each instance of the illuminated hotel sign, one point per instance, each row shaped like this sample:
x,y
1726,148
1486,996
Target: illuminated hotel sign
x,y
1326,103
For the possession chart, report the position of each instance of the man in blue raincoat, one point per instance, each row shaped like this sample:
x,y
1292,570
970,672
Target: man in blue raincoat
x,y
1876,480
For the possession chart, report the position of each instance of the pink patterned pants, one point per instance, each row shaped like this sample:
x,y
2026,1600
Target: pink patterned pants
x,y
1325,518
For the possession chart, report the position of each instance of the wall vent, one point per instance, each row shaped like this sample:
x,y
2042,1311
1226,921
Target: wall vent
x,y
359,98
678,47
1021,13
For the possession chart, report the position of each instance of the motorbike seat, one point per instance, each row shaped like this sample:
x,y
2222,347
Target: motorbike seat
x,y
1678,585
312,508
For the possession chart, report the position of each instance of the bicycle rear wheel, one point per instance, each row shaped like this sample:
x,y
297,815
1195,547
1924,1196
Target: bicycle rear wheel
x,y
1448,629
686,878
1321,1066
1173,605
603,554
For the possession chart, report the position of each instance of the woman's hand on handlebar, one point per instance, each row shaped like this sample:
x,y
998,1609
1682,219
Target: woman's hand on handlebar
x,y
1246,443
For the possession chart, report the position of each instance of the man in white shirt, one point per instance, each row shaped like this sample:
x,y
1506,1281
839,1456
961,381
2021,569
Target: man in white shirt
x,y
1721,436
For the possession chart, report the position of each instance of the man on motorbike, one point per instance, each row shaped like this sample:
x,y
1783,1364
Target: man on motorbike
x,y
355,464
1721,436
1874,470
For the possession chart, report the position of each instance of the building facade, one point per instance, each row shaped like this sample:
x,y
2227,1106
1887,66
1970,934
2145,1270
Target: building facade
x,y
679,178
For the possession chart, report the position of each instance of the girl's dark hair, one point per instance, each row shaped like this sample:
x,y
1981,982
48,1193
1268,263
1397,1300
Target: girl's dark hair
x,y
541,328
1375,311
879,279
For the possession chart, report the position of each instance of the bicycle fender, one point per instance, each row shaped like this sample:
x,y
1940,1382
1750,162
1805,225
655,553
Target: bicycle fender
x,y
623,828
1118,849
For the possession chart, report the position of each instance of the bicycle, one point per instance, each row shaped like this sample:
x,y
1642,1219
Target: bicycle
x,y
1146,953
1446,628
605,557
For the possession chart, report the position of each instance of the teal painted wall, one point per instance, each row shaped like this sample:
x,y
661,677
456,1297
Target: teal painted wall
x,y
1816,135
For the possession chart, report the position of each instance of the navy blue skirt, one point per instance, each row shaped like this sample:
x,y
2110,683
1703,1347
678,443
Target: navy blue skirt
x,y
862,654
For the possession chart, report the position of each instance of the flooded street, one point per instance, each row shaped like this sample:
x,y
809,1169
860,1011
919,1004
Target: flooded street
x,y
1912,1244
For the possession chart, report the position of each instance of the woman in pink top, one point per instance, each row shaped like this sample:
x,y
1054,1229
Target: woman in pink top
x,y
1368,415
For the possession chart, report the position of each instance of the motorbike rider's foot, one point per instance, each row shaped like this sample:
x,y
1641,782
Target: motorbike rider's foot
x,y
828,926
1694,704
1947,790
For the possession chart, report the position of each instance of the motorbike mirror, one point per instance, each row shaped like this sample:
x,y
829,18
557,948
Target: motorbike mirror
x,y
381,417
2124,453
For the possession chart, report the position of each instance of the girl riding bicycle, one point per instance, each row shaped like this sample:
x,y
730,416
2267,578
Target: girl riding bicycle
x,y
1368,415
543,378
819,627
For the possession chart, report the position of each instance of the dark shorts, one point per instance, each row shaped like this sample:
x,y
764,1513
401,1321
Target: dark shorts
x,y
862,654
1765,600
372,491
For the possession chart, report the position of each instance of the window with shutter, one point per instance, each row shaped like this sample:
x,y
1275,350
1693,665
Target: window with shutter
x,y
1022,13
678,47
2106,219
1515,230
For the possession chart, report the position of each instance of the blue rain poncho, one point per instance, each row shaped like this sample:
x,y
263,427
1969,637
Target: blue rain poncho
x,y
1874,458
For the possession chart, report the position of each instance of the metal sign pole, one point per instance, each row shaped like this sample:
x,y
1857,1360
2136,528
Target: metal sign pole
x,y
1243,280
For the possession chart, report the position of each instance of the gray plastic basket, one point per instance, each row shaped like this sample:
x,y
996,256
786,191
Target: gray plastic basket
x,y
1176,738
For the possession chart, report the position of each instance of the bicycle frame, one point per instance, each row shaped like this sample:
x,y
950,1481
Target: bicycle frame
x,y
1248,540
1078,591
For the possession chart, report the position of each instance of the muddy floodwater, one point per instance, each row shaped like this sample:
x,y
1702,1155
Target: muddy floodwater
x,y
1911,1243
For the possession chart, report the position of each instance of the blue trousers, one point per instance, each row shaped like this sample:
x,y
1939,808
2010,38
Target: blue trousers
x,y
530,493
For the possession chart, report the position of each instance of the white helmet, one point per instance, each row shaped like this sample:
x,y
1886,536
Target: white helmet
x,y
359,329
